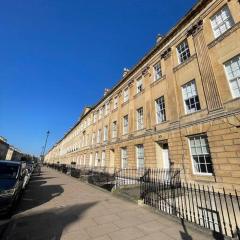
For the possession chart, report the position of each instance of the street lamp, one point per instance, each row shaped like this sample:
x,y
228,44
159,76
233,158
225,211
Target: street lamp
x,y
44,148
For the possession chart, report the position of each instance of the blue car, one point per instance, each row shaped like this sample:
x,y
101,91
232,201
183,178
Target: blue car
x,y
11,182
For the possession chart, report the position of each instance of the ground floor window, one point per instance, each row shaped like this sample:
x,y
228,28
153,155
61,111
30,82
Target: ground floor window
x,y
103,158
140,156
124,157
202,162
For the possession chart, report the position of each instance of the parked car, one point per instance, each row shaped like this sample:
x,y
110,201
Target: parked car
x,y
12,175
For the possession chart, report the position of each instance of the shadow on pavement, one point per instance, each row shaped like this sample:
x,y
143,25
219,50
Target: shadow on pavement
x,y
37,193
44,225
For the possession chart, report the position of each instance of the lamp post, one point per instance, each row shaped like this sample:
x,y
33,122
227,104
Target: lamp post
x,y
44,147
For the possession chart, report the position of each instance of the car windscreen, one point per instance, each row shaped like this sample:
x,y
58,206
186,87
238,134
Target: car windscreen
x,y
8,171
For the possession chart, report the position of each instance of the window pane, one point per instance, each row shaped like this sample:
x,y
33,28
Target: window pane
x,y
200,154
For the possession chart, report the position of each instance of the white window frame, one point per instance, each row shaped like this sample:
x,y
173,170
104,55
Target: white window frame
x,y
207,153
105,133
160,110
100,114
124,157
194,95
234,79
95,117
183,52
99,136
96,159
90,159
222,25
140,156
103,160
107,108
125,124
157,71
140,118
93,138
139,85
114,129
126,94
115,102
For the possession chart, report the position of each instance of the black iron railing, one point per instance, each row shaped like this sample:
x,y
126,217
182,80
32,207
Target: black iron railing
x,y
215,210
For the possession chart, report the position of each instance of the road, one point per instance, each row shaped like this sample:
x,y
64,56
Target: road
x,y
56,206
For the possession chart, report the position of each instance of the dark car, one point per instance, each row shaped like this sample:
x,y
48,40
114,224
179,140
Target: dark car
x,y
11,182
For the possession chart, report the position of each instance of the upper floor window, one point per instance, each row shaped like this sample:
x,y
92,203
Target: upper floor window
x,y
221,21
89,121
190,97
100,113
95,117
115,102
232,68
107,108
99,136
140,156
124,157
96,159
157,71
125,124
183,51
125,95
160,110
139,85
140,118
114,129
93,138
90,159
103,159
105,133
201,157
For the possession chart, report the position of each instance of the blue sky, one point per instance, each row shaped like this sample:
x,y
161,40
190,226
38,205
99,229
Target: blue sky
x,y
57,56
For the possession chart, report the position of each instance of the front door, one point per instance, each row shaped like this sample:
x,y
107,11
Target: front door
x,y
165,154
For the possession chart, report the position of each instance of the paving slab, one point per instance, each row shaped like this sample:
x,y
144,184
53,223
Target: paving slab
x,y
56,206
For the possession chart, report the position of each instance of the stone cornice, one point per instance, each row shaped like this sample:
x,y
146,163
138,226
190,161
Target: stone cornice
x,y
184,63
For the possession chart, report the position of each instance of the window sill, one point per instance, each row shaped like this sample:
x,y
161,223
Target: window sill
x,y
233,100
114,110
138,94
203,174
125,103
185,62
157,81
224,35
190,114
161,123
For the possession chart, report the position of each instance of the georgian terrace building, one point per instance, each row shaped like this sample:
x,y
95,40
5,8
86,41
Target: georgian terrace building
x,y
179,107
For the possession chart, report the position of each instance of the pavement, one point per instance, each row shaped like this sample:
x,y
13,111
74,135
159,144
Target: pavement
x,y
56,206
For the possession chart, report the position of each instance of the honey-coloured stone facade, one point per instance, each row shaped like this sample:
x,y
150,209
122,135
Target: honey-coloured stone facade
x,y
215,114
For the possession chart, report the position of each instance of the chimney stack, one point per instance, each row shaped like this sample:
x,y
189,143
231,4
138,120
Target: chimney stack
x,y
106,90
125,72
159,38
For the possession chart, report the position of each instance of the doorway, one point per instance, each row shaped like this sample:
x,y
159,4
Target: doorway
x,y
162,155
112,158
